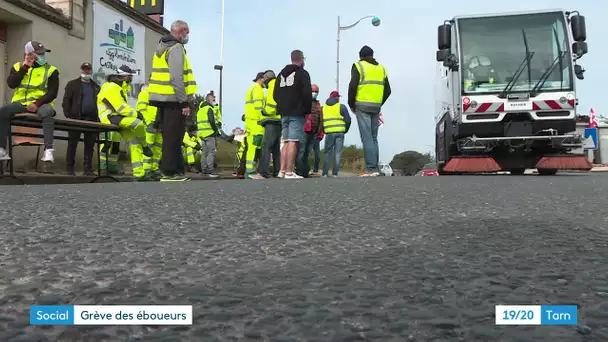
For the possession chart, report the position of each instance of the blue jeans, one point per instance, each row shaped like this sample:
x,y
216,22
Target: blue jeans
x,y
302,159
368,129
334,143
316,148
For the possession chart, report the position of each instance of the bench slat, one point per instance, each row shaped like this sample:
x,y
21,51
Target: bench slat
x,y
73,124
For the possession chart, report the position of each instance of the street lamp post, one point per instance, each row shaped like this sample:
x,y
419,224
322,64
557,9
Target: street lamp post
x,y
220,66
375,22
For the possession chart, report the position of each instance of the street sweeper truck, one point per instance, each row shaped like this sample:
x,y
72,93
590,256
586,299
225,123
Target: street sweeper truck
x,y
506,93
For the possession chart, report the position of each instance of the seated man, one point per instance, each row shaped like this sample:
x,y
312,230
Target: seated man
x,y
36,84
113,109
191,148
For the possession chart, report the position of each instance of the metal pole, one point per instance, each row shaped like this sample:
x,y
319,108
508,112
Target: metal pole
x,y
222,53
338,58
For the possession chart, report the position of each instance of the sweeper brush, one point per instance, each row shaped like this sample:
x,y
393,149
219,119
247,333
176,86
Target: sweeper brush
x,y
564,162
472,164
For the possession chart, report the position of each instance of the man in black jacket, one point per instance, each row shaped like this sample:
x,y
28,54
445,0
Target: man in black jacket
x,y
293,95
80,102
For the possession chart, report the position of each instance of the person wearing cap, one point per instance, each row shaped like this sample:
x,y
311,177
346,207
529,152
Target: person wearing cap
x,y
367,92
172,88
153,137
254,132
36,85
80,102
271,121
209,126
294,100
336,123
114,109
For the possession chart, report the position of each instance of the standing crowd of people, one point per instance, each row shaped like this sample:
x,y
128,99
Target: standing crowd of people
x,y
281,109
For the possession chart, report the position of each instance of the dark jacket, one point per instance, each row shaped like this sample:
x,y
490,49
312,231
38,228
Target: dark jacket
x,y
316,126
343,111
354,84
72,98
293,92
15,77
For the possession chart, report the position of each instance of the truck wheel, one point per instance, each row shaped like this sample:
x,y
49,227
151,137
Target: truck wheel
x,y
547,172
517,172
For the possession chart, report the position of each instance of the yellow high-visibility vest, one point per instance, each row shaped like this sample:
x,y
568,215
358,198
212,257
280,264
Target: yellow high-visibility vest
x,y
143,106
160,87
34,84
270,105
112,92
333,122
254,103
203,126
370,91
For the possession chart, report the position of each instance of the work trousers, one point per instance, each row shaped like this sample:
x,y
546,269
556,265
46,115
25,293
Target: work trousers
x,y
250,156
133,130
271,146
173,128
154,140
89,146
209,153
109,160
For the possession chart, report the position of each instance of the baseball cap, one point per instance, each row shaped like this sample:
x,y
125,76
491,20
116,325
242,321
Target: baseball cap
x,y
260,75
124,70
35,47
334,94
86,66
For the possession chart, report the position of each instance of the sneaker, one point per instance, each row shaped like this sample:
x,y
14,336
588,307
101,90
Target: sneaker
x,y
314,173
369,174
4,154
292,175
144,178
89,173
257,176
48,156
212,175
175,178
281,174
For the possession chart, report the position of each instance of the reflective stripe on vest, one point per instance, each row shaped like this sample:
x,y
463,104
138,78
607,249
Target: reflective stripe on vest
x,y
371,84
271,105
33,85
333,122
160,87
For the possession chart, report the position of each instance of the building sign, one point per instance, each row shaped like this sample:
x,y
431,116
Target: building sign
x,y
148,7
117,40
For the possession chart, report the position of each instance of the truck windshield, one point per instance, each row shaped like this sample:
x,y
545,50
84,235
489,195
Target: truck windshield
x,y
493,49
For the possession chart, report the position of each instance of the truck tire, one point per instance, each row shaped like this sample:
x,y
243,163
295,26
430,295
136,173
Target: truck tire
x,y
547,172
517,172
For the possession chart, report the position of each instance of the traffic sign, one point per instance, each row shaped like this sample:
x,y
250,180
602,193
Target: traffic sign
x,y
590,142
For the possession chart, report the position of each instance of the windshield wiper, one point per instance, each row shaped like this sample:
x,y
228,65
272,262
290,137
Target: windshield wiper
x,y
520,69
543,78
516,75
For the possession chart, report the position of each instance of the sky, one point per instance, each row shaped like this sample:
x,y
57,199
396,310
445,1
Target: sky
x,y
260,34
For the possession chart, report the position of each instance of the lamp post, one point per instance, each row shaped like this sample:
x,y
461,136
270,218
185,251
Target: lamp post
x,y
220,66
375,22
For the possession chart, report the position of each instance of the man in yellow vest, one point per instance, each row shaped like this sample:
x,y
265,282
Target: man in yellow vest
x,y
153,137
336,123
172,88
113,108
254,132
209,127
36,83
271,121
367,92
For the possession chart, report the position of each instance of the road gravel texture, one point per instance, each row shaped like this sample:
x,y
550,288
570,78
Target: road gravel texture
x,y
346,259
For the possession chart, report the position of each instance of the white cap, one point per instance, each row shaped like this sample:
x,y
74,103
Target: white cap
x,y
124,70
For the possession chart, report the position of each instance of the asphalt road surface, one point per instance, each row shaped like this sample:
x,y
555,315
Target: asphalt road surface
x,y
344,259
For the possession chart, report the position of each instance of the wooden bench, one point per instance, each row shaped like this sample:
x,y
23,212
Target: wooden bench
x,y
33,121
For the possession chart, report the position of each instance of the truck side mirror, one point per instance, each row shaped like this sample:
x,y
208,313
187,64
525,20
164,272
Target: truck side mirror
x,y
444,37
579,30
579,71
579,48
442,55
